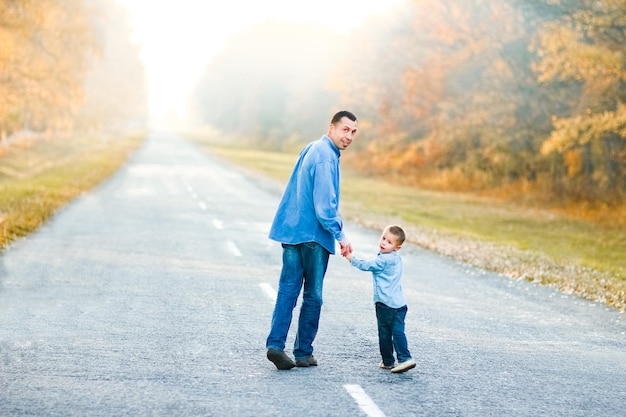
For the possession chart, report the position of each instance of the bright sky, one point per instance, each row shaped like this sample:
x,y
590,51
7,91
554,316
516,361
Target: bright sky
x,y
180,37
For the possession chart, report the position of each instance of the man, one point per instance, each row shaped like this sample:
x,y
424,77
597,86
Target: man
x,y
307,224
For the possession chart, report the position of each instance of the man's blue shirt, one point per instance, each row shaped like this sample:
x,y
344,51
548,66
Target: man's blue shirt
x,y
386,271
308,210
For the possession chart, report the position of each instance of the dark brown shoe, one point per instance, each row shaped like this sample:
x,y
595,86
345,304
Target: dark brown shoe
x,y
306,362
280,359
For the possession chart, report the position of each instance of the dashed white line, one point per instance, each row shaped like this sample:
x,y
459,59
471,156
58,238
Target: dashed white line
x,y
363,400
365,403
233,248
202,205
218,224
271,293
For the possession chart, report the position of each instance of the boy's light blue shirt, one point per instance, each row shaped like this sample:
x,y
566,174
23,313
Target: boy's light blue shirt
x,y
386,271
308,210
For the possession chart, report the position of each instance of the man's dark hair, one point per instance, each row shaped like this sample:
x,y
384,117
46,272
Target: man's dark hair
x,y
340,115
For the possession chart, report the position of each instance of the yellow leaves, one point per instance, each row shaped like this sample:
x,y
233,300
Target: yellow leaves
x,y
570,133
564,136
45,46
583,55
564,56
585,46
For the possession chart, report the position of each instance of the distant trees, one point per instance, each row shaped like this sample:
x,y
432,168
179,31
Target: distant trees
x,y
270,83
458,96
48,49
496,93
115,87
507,96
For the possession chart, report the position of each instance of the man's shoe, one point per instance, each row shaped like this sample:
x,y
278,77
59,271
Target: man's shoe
x,y
404,366
280,359
306,362
383,366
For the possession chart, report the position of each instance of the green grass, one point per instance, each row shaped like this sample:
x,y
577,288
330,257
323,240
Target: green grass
x,y
580,256
38,179
563,239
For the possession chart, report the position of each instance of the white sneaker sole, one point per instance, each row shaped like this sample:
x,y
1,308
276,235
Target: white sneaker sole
x,y
404,366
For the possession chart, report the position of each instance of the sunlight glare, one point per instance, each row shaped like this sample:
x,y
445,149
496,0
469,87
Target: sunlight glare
x,y
179,38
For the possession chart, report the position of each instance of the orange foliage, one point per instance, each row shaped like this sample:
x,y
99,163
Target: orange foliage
x,y
574,162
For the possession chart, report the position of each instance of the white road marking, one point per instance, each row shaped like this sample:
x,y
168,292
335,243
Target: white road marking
x,y
218,224
202,205
233,248
365,403
271,293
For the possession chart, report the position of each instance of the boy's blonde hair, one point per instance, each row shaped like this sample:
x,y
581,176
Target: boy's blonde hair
x,y
397,232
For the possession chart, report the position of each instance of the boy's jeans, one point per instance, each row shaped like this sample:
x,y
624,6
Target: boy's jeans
x,y
304,263
391,333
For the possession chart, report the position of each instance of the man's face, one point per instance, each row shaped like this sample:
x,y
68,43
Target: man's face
x,y
342,133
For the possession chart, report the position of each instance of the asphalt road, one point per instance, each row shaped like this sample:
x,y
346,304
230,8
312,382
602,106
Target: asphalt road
x,y
152,296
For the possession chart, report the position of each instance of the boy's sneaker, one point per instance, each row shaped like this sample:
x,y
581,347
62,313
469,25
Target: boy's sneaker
x,y
306,362
383,366
403,366
280,359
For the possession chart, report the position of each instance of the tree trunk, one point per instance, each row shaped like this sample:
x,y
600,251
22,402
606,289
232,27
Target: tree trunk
x,y
587,168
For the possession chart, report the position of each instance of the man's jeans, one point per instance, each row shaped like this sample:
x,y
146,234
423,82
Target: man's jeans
x,y
304,263
391,333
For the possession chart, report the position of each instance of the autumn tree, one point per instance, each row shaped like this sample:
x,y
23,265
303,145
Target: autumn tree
x,y
584,54
44,47
464,94
47,50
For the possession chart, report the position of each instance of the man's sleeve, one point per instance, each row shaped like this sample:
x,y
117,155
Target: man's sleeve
x,y
326,199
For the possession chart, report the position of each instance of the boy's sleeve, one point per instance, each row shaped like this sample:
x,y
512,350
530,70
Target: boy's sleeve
x,y
372,265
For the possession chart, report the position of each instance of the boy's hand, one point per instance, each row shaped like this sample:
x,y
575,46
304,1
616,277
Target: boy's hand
x,y
348,256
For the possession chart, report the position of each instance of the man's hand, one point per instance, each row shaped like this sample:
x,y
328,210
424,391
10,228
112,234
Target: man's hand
x,y
346,247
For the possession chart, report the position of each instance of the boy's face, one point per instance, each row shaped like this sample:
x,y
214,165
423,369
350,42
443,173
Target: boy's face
x,y
388,242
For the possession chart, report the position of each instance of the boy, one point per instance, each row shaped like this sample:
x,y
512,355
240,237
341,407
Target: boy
x,y
389,299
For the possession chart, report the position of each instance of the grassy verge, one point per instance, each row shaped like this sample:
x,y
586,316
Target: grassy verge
x,y
577,256
38,179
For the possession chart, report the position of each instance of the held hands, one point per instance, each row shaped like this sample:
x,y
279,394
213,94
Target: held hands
x,y
346,249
